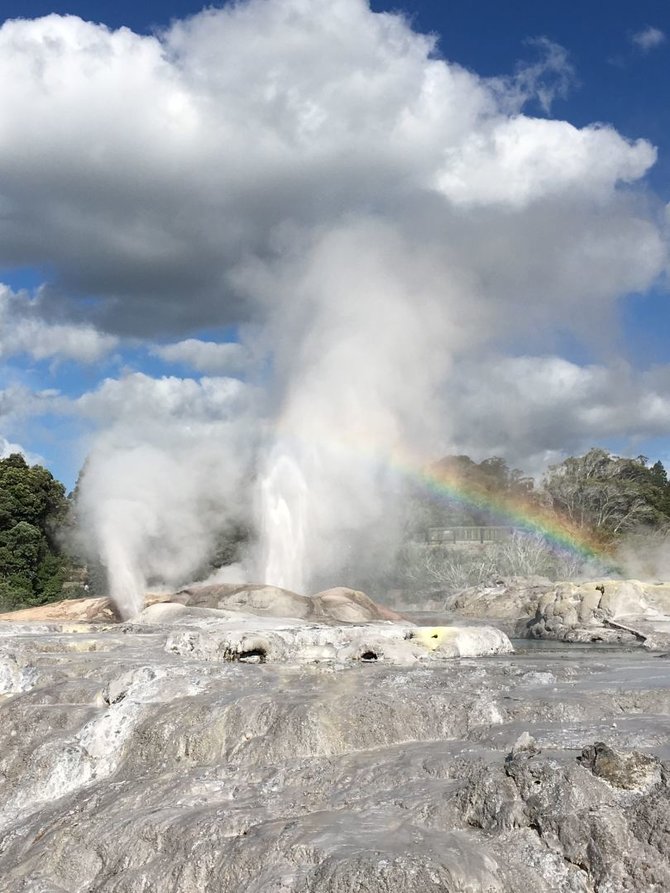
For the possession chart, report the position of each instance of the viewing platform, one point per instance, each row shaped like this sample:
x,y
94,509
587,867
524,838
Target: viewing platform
x,y
440,536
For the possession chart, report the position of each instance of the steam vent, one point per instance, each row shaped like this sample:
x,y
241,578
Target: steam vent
x,y
247,738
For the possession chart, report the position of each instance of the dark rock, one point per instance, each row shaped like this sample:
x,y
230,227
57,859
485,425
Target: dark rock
x,y
623,770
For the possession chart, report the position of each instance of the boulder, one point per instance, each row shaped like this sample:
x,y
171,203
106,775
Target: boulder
x,y
268,601
509,599
611,611
351,606
631,771
339,605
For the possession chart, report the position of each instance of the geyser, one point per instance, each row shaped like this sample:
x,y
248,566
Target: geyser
x,y
361,211
283,516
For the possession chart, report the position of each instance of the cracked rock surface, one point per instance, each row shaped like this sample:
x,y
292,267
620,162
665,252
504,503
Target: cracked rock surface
x,y
167,755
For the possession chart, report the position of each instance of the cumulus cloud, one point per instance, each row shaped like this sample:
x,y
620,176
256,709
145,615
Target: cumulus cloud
x,y
208,357
138,397
549,78
534,409
18,406
171,161
522,160
19,401
648,38
24,331
7,448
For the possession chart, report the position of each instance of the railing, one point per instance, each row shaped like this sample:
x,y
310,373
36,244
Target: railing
x,y
445,535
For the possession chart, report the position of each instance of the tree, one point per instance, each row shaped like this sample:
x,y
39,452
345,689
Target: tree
x,y
32,508
609,494
466,493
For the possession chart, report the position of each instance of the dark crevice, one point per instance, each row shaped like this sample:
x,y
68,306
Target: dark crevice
x,y
253,654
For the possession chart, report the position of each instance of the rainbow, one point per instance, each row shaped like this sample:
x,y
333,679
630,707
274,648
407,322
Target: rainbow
x,y
559,534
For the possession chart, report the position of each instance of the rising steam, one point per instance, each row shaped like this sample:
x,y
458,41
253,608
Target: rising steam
x,y
366,214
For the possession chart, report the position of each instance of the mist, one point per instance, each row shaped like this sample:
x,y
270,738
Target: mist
x,y
368,216
153,503
644,556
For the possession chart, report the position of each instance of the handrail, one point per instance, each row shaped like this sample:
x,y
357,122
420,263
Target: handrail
x,y
479,534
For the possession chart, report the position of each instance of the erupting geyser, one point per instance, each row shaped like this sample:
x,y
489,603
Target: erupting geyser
x,y
363,213
284,508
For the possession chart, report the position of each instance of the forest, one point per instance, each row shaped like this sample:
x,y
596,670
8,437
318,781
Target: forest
x,y
603,496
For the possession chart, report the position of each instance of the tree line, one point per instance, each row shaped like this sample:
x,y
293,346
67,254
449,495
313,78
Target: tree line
x,y
604,495
598,493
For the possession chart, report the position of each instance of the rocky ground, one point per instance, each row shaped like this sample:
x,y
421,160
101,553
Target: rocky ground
x,y
624,611
200,748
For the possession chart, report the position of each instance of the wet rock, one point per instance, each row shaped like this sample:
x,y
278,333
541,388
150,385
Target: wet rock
x,y
75,610
15,674
179,755
387,643
623,770
604,611
88,610
491,802
649,819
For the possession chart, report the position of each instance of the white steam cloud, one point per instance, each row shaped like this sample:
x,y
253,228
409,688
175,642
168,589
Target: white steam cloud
x,y
155,497
369,213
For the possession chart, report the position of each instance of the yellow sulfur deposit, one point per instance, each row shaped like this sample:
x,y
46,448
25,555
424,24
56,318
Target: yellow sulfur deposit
x,y
431,637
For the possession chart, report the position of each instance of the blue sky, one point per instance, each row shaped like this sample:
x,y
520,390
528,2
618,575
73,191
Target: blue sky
x,y
619,60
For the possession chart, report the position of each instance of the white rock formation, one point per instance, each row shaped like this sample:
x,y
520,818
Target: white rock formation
x,y
599,610
198,750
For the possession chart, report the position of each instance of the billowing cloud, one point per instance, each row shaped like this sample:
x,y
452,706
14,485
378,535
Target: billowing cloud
x,y
523,160
167,473
24,331
19,401
534,409
208,357
648,38
138,397
549,78
152,169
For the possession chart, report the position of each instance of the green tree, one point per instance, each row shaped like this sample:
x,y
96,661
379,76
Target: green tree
x,y
609,494
462,492
32,508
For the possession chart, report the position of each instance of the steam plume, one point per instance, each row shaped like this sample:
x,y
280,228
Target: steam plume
x,y
367,213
